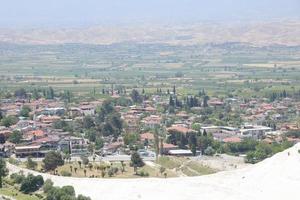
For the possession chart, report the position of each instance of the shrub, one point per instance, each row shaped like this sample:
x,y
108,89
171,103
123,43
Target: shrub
x,y
85,160
110,172
17,177
143,174
31,183
48,185
209,151
65,173
13,161
30,164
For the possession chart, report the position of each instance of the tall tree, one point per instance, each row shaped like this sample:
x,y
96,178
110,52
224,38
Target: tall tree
x,y
136,161
205,101
135,96
52,160
15,137
3,170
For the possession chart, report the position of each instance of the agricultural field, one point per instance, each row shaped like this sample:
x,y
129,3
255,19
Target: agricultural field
x,y
235,68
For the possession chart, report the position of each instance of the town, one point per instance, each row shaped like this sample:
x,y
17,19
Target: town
x,y
35,123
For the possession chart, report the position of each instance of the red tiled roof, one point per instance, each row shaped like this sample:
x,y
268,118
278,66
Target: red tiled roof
x,y
148,136
167,146
180,129
232,140
37,133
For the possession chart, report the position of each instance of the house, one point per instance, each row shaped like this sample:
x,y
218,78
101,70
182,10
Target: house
x,y
223,129
25,124
182,115
49,119
74,112
78,145
88,110
111,148
54,111
255,132
132,122
147,136
232,140
28,150
167,147
179,128
180,152
215,102
5,132
152,121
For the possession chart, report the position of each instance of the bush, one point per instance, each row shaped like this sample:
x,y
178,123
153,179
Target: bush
x,y
48,185
81,197
294,134
13,161
17,177
65,173
30,164
85,160
8,121
31,183
143,174
64,193
110,172
39,196
209,151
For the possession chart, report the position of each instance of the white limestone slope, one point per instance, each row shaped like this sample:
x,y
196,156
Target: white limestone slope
x,y
275,178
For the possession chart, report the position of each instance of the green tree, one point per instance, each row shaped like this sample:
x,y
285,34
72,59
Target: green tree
x,y
131,138
81,197
31,183
205,101
8,121
99,143
135,96
25,111
52,160
48,185
162,170
30,164
88,122
3,170
209,151
136,161
15,137
84,159
21,93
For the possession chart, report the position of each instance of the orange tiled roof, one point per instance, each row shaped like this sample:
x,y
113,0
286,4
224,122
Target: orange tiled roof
x,y
232,140
148,136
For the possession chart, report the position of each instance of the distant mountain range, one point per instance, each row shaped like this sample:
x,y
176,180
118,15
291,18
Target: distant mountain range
x,y
256,33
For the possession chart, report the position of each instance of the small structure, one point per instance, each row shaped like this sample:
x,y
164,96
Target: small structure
x,y
180,152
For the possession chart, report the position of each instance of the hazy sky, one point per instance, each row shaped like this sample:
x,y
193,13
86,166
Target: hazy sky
x,y
19,13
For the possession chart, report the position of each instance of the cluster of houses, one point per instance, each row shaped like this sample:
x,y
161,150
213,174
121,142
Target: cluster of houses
x,y
39,136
